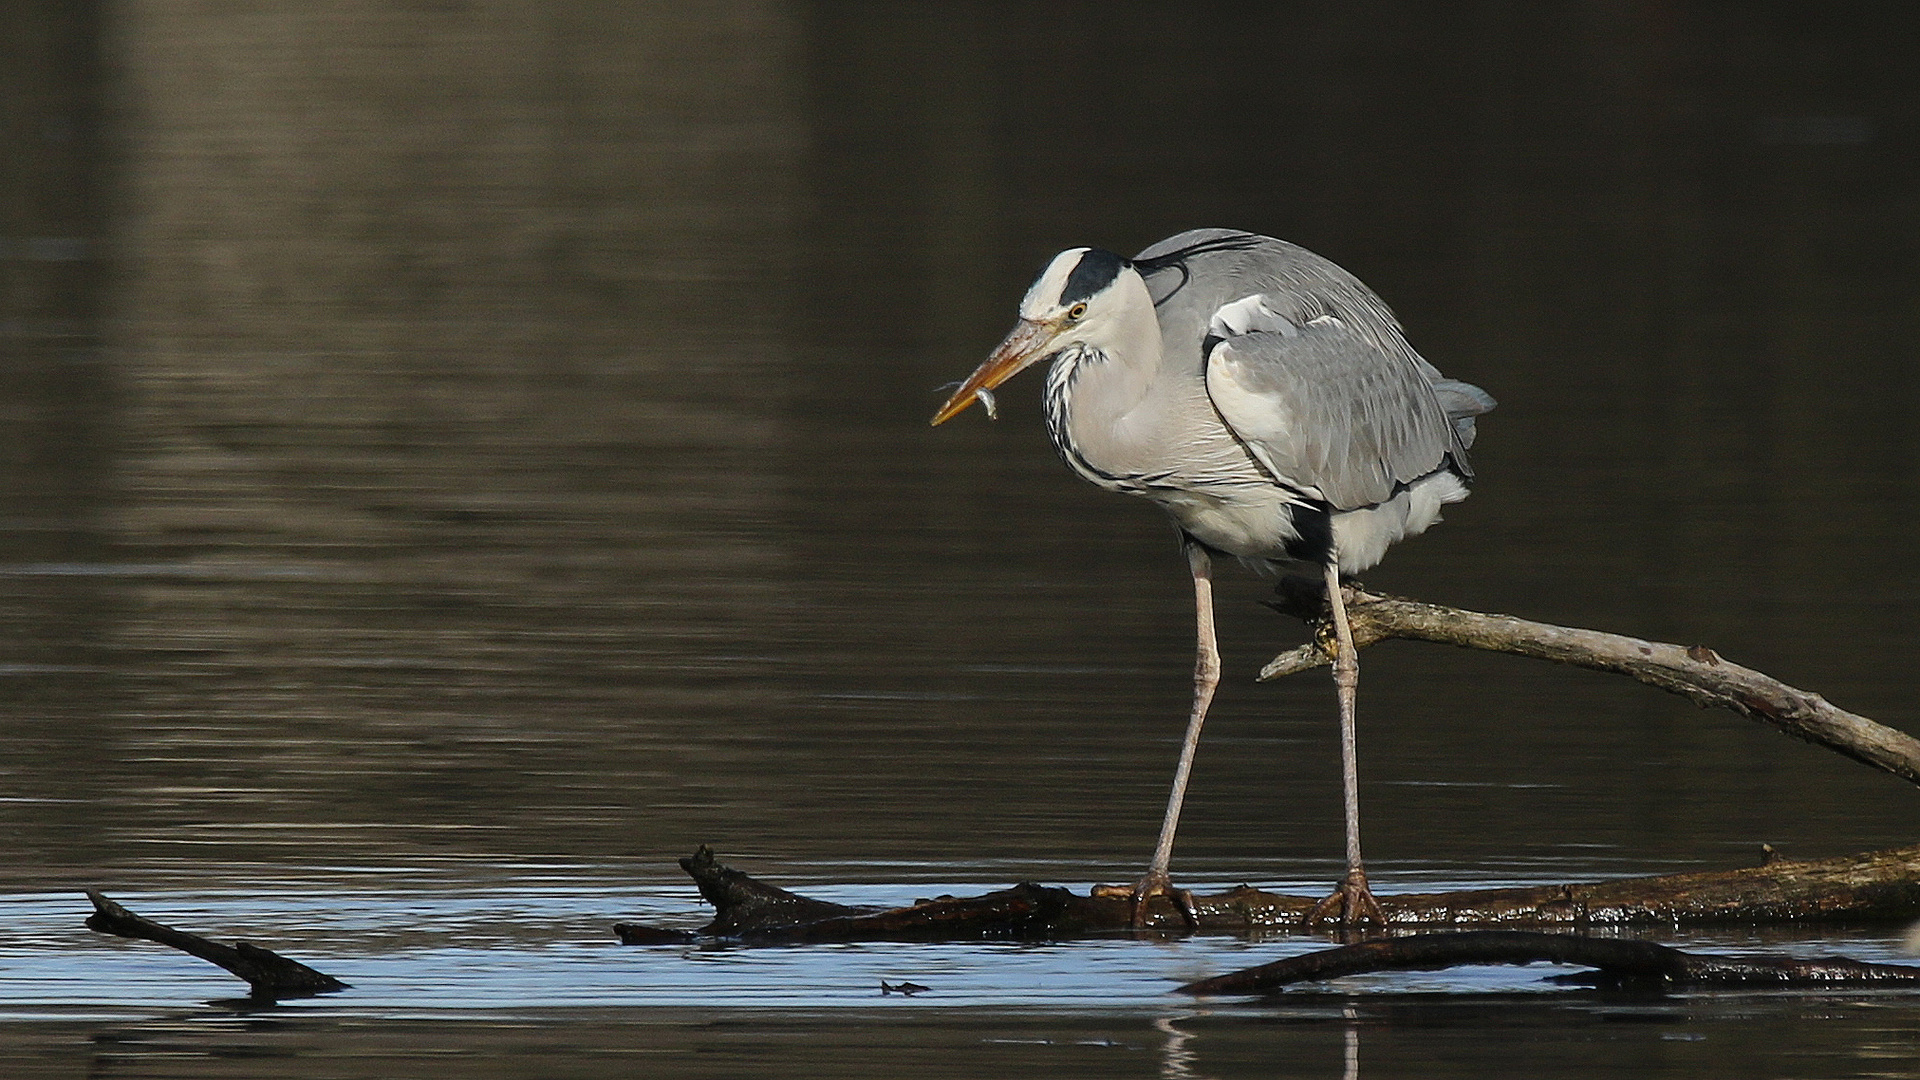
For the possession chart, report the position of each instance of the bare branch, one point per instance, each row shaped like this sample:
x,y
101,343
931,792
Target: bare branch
x,y
271,975
1618,961
1695,672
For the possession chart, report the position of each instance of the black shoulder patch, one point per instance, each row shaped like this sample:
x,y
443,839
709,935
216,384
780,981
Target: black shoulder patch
x,y
1096,271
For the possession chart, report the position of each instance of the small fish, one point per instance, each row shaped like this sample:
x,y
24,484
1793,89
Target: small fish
x,y
986,402
907,988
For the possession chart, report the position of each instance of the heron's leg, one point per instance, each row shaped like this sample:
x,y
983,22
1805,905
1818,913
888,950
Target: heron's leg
x,y
1206,677
1352,898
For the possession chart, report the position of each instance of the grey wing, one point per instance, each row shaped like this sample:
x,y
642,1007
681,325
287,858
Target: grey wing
x,y
1323,407
1266,280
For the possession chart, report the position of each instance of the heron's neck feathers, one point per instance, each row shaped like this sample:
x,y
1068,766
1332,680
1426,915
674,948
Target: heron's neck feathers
x,y
1107,394
1117,364
1138,330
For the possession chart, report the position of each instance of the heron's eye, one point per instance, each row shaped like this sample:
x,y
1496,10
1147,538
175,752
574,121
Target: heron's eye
x,y
1074,312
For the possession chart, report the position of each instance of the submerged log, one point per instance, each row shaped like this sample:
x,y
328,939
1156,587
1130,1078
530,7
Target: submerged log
x,y
1618,962
1693,671
1883,885
269,975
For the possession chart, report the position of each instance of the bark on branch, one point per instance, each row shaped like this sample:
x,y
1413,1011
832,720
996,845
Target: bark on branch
x,y
1694,671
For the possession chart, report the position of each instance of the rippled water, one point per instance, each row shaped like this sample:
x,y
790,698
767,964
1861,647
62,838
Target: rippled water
x,y
520,978
457,462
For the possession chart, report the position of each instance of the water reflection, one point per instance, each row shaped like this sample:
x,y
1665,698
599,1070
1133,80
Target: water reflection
x,y
1176,1059
1351,1040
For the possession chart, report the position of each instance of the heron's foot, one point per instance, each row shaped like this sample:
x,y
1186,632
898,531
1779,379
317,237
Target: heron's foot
x,y
1144,890
1326,638
1352,901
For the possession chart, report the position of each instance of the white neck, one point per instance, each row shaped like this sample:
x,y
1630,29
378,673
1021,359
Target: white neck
x,y
1127,337
1096,387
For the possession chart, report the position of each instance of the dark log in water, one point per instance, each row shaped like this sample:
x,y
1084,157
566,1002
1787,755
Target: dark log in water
x,y
270,975
1694,671
1883,885
1618,963
751,910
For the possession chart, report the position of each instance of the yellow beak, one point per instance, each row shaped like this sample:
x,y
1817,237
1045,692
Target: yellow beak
x,y
1030,341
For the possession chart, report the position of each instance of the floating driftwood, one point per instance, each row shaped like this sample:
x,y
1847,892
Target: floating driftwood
x,y
270,975
1618,962
1692,671
1881,885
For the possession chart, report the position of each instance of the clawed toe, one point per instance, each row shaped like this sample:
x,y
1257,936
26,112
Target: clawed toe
x,y
1143,891
1352,900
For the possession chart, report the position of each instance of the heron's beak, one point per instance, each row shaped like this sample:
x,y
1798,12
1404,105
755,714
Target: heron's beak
x,y
1030,341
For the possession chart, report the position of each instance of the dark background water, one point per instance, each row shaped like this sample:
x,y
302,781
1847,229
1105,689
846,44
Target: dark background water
x,y
480,450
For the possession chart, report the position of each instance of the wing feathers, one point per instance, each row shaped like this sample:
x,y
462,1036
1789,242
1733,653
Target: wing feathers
x,y
1323,407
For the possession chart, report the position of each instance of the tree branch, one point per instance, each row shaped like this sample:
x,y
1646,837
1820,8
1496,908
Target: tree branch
x,y
1695,672
1619,961
270,975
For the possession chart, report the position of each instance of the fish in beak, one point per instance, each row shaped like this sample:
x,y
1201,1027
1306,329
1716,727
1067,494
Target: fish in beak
x,y
1030,341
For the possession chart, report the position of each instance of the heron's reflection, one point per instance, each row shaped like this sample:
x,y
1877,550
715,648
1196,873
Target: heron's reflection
x,y
1176,1061
1177,1058
1351,1071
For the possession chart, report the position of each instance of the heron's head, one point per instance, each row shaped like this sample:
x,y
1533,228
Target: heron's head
x,y
1085,297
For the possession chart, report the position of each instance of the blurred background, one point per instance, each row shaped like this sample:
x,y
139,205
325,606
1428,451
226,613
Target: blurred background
x,y
466,433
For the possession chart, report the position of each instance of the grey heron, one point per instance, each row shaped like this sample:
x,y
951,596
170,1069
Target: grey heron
x,y
1269,402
